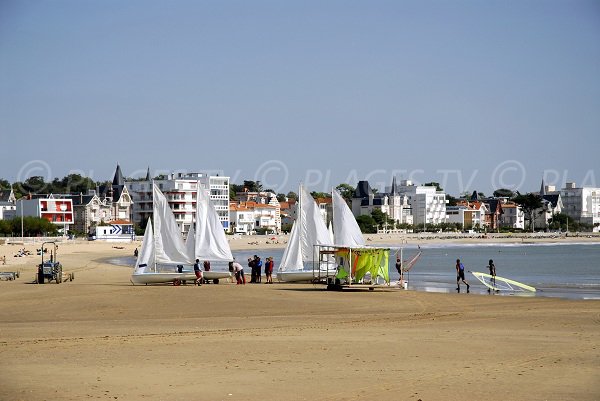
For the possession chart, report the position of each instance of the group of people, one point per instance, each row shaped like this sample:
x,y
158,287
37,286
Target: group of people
x,y
460,274
256,265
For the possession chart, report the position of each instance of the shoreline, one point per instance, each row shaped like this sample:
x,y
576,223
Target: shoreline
x,y
280,242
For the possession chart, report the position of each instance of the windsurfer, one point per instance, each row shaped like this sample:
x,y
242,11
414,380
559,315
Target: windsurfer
x,y
492,269
460,275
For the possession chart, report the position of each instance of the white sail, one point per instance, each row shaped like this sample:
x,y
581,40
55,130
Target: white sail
x,y
345,228
145,259
330,229
170,247
211,242
292,255
190,243
309,229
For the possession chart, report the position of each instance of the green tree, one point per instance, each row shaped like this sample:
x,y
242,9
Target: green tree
x,y
367,224
530,203
253,186
292,195
34,184
234,189
281,197
76,183
434,184
316,194
347,191
504,193
379,217
561,221
4,184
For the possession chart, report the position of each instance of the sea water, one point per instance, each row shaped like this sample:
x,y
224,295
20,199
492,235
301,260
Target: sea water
x,y
555,270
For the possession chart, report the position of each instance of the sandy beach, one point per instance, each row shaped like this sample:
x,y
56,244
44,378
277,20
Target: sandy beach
x,y
99,337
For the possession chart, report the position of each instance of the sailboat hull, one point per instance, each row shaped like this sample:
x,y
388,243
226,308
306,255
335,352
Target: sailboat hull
x,y
159,278
168,277
304,275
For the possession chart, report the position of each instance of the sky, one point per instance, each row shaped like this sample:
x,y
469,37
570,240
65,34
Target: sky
x,y
475,95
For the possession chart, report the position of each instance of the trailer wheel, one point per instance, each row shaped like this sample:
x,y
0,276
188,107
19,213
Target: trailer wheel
x,y
216,281
40,278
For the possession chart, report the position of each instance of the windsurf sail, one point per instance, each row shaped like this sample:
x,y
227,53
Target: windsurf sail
x,y
498,283
408,264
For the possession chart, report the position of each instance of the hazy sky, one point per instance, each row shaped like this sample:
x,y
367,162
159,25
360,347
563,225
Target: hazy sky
x,y
473,94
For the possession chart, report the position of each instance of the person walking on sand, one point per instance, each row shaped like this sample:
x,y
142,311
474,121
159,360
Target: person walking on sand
x,y
198,272
492,268
460,275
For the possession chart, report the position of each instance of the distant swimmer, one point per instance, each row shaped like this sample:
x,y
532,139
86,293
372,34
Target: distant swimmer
x,y
460,275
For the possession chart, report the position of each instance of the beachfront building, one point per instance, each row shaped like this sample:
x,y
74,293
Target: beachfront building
x,y
469,215
57,209
261,198
551,204
582,204
512,215
288,210
395,203
248,217
104,205
7,204
325,206
427,203
180,191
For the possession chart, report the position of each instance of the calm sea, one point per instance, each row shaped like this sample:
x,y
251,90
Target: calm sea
x,y
555,270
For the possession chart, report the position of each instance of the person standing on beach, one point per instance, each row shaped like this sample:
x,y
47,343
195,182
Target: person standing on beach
x,y
258,265
492,268
198,272
206,266
460,275
252,270
399,268
269,270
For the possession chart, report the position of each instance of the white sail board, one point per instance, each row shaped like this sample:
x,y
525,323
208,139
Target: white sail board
x,y
498,283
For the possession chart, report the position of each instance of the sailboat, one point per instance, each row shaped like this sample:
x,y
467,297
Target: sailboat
x,y
208,241
163,248
308,230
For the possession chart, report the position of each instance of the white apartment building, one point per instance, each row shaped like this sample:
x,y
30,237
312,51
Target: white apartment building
x,y
246,217
180,191
582,204
427,203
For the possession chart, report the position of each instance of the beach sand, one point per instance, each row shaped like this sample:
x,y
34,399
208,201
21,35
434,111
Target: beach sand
x,y
99,337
